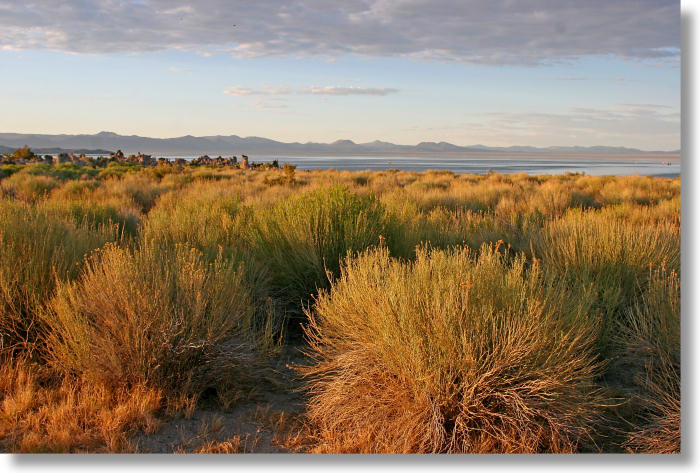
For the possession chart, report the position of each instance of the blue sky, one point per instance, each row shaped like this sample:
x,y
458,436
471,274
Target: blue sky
x,y
491,72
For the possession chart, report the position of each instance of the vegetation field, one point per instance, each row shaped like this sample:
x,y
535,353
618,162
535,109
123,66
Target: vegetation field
x,y
380,311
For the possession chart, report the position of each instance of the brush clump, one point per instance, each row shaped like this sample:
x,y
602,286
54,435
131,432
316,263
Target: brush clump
x,y
610,255
650,343
37,249
165,318
453,352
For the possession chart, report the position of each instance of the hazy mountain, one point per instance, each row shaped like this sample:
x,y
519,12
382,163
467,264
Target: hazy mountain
x,y
230,145
40,151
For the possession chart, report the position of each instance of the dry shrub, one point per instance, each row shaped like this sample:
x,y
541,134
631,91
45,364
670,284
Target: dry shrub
x,y
139,188
37,249
611,256
27,187
454,352
236,444
666,212
660,428
166,318
38,414
651,343
551,199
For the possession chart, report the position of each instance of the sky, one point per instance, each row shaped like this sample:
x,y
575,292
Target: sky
x,y
491,72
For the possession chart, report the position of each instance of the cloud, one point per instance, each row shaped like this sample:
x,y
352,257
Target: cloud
x,y
238,91
267,105
332,90
645,105
470,31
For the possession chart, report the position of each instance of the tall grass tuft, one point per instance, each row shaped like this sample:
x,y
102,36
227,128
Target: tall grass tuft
x,y
455,352
165,318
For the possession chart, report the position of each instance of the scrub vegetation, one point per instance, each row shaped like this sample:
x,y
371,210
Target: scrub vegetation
x,y
437,312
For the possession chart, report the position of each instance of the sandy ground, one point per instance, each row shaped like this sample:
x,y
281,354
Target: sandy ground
x,y
251,426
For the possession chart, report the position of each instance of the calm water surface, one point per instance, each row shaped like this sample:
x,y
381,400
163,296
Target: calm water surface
x,y
594,166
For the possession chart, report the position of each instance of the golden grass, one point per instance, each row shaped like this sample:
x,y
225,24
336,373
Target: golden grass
x,y
42,415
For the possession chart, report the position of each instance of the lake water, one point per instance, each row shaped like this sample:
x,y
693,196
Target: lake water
x,y
661,166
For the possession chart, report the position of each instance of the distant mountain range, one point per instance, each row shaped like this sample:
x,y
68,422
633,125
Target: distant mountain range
x,y
101,142
41,151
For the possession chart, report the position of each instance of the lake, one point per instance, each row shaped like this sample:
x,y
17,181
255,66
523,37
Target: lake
x,y
656,165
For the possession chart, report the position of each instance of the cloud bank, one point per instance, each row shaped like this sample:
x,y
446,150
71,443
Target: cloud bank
x,y
522,32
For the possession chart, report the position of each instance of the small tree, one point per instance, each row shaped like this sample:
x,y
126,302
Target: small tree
x,y
289,172
23,153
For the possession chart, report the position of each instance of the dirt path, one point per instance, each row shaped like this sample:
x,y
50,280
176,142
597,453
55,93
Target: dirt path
x,y
254,426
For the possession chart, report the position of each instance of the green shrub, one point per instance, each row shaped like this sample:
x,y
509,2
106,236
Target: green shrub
x,y
6,170
139,188
300,238
115,169
75,189
204,218
85,212
63,171
211,218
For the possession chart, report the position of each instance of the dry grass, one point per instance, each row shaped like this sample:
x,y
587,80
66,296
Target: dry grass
x,y
236,444
41,415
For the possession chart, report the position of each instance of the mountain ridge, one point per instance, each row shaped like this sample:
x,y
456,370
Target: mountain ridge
x,y
234,144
